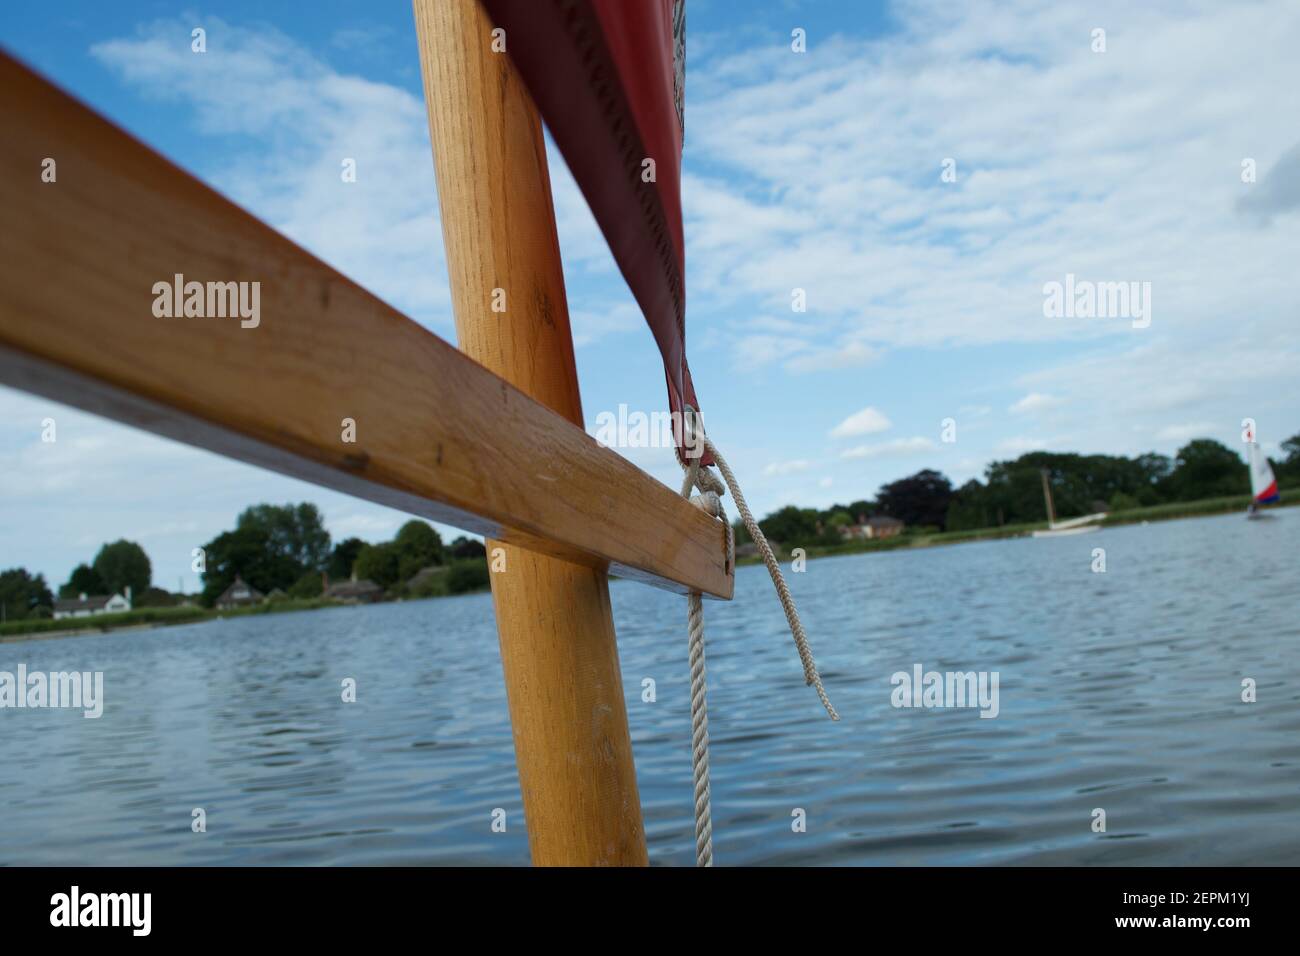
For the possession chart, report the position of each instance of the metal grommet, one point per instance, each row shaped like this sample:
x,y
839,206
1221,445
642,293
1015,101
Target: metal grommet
x,y
691,440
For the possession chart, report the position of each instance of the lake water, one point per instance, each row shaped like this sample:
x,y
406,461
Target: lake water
x,y
1118,690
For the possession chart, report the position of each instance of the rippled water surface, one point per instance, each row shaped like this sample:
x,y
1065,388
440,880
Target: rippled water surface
x,y
1119,691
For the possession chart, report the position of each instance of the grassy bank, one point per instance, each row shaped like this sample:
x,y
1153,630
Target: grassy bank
x,y
149,617
1165,512
1195,509
99,622
459,580
461,576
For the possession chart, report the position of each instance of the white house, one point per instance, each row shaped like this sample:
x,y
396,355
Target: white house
x,y
83,606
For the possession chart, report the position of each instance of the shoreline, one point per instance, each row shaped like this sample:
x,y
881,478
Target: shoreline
x,y
172,617
1207,508
175,617
83,631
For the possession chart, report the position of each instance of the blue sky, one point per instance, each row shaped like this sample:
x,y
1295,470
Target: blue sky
x,y
818,171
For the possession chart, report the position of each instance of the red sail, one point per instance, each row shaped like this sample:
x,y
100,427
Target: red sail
x,y
607,77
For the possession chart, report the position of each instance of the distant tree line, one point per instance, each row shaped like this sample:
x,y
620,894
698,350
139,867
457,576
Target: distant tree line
x,y
1012,491
23,595
117,566
286,548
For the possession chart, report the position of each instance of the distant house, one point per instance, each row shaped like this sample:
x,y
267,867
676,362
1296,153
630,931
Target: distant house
x,y
858,531
881,526
424,576
877,526
354,591
239,594
85,606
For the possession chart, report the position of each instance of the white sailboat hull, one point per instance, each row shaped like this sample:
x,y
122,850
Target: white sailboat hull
x,y
1081,525
1063,532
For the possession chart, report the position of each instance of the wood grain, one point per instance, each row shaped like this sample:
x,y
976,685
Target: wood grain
x,y
437,435
556,630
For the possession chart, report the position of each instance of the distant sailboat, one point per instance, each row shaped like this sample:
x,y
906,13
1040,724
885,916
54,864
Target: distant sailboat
x,y
1057,529
1263,486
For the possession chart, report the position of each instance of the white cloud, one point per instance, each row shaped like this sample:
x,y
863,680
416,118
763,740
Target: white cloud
x,y
822,172
849,355
787,467
302,119
1126,401
866,422
898,448
1181,433
1034,402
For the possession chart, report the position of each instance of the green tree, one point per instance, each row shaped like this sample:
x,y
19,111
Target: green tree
x,y
83,580
1205,468
741,532
463,547
295,531
22,595
247,552
380,563
1014,490
1288,469
832,521
920,499
343,557
307,586
271,546
791,526
418,546
470,574
968,509
861,509
123,564
153,597
1122,502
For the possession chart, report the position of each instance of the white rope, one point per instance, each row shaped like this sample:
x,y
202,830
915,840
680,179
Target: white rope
x,y
711,489
699,731
800,636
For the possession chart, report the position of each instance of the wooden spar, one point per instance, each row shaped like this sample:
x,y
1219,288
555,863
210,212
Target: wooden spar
x,y
436,434
556,631
1047,497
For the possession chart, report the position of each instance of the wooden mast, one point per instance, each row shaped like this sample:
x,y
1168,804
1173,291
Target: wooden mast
x,y
556,631
1047,496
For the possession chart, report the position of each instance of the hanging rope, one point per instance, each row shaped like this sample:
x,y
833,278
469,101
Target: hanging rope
x,y
710,500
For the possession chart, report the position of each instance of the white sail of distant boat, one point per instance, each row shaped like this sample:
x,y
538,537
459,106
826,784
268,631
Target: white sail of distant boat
x,y
1057,529
1263,486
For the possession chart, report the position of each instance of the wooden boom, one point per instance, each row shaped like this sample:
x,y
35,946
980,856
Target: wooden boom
x,y
434,433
